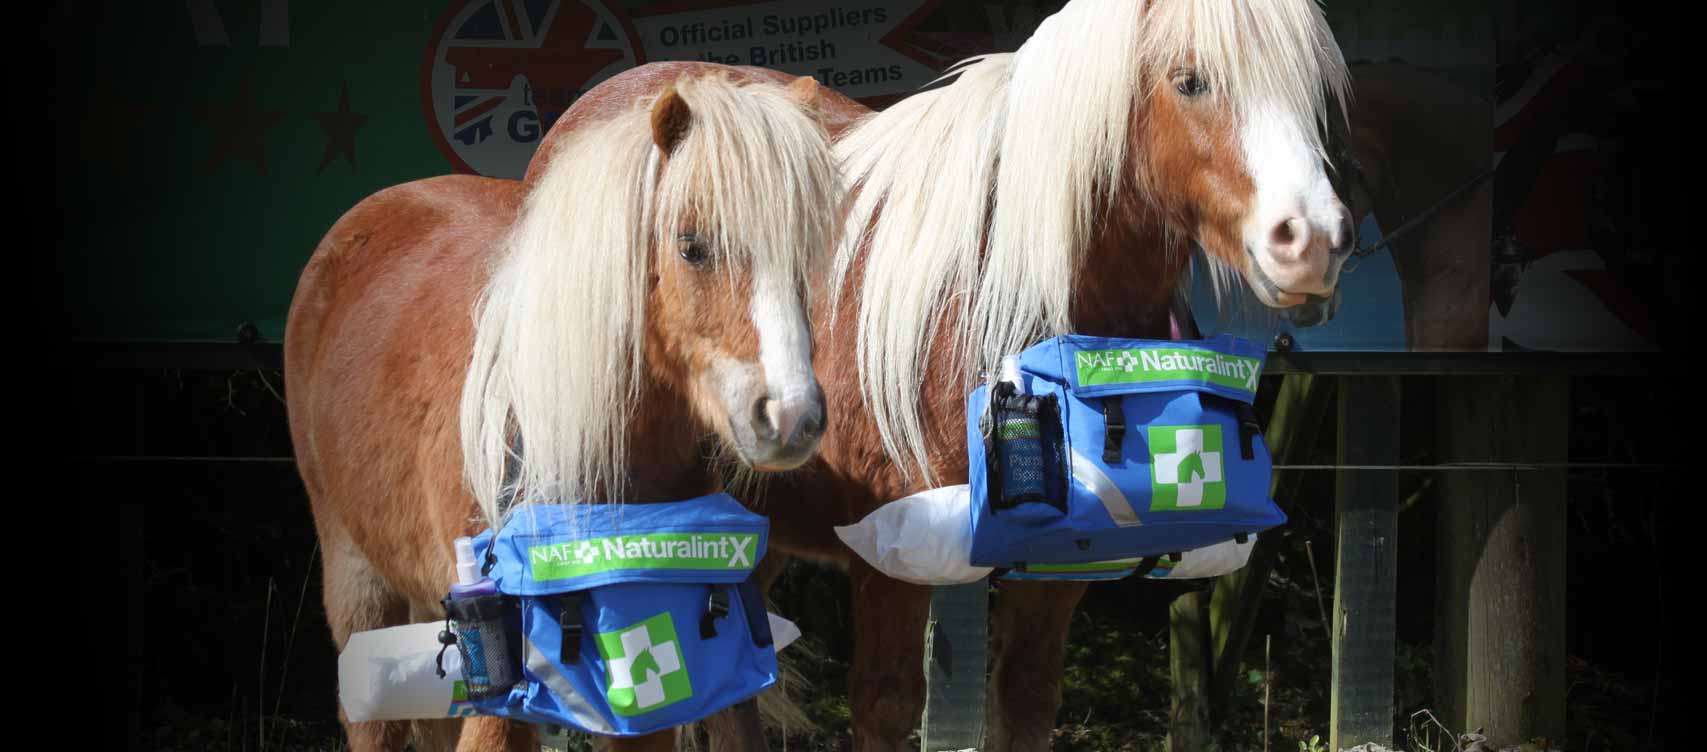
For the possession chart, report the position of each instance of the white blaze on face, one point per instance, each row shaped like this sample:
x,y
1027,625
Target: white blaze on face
x,y
785,349
1296,220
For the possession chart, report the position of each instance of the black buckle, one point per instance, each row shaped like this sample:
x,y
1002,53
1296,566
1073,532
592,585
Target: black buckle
x,y
1146,566
569,619
447,638
1113,429
716,607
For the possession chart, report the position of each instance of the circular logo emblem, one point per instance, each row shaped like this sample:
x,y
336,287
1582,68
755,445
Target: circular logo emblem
x,y
500,72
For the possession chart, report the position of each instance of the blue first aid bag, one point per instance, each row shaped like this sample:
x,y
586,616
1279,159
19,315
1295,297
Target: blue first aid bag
x,y
1144,450
633,618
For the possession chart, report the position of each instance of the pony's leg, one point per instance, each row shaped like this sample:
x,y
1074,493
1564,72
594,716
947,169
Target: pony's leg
x,y
886,679
662,741
1028,633
358,599
737,728
485,734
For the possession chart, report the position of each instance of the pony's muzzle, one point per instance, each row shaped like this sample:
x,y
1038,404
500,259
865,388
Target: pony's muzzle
x,y
1300,255
1315,310
788,428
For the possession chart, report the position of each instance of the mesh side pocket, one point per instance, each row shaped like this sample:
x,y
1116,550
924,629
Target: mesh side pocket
x,y
488,634
1025,450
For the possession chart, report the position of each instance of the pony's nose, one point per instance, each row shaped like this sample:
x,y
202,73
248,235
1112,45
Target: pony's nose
x,y
793,421
1289,241
1296,253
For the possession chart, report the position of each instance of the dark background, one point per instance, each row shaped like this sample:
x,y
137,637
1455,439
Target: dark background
x,y
198,579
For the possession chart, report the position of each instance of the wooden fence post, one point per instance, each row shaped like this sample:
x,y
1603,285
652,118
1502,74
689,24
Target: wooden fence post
x,y
957,638
1188,721
1366,562
1299,413
1500,574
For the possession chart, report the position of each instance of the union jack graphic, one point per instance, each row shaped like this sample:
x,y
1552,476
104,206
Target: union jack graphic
x,y
493,58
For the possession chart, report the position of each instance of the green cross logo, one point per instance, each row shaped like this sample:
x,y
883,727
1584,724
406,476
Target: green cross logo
x,y
644,667
1185,467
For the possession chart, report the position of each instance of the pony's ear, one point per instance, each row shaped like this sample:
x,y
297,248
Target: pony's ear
x,y
805,91
670,120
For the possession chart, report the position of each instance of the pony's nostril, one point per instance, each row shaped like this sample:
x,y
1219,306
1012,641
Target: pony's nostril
x,y
763,427
1290,238
811,425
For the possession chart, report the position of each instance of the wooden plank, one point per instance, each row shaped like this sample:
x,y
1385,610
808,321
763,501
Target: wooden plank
x,y
1366,562
1236,599
1500,572
1188,721
956,665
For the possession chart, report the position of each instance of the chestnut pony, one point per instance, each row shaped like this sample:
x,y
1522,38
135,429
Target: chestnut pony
x,y
1055,189
638,306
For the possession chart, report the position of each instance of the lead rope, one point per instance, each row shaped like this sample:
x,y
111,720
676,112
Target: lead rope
x,y
1413,223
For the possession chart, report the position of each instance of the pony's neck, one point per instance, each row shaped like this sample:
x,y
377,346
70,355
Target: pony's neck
x,y
1128,275
666,461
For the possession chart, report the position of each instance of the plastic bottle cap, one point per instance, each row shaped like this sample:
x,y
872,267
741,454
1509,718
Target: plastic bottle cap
x,y
467,569
1010,371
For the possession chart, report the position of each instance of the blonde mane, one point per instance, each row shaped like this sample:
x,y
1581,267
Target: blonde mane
x,y
557,363
977,201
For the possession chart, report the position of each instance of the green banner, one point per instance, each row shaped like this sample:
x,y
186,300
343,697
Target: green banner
x,y
226,138
220,140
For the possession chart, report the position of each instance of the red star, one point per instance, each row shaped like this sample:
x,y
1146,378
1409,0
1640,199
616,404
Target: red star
x,y
239,130
340,128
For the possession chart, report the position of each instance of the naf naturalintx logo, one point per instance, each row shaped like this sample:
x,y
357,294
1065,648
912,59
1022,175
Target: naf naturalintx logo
x,y
559,561
1141,365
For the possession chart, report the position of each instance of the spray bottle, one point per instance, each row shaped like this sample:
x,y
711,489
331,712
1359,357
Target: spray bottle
x,y
483,626
1018,439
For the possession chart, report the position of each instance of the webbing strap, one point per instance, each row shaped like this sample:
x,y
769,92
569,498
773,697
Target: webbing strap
x,y
716,607
753,604
1113,429
569,620
1249,429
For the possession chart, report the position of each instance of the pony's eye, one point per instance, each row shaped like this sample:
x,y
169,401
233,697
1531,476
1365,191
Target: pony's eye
x,y
1188,84
692,249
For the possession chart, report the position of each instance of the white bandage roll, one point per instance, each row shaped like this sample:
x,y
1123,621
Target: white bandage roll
x,y
925,539
391,674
